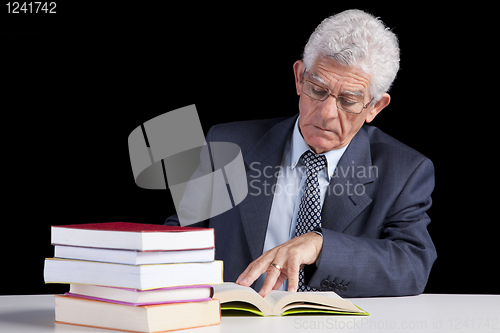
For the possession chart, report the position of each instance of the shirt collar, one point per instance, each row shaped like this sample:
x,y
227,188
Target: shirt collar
x,y
299,147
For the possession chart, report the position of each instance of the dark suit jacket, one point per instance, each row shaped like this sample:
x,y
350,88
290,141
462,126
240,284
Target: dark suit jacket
x,y
374,220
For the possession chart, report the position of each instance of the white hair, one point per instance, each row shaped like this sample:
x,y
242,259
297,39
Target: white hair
x,y
356,38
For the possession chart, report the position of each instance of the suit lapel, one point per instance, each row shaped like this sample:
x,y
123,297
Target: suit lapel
x,y
346,196
262,162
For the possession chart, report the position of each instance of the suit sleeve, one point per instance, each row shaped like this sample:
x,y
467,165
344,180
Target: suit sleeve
x,y
395,264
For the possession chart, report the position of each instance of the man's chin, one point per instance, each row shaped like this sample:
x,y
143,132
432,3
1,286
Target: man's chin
x,y
323,140
323,147
325,143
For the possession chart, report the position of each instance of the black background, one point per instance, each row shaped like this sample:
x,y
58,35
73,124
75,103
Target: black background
x,y
76,83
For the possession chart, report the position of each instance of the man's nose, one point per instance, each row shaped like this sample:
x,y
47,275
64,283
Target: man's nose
x,y
329,107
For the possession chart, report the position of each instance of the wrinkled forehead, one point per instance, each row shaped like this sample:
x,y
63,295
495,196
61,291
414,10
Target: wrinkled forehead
x,y
351,80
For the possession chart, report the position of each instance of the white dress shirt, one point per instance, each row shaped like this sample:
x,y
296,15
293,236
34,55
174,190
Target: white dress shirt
x,y
287,192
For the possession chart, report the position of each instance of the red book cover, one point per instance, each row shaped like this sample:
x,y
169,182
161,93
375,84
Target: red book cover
x,y
129,227
136,236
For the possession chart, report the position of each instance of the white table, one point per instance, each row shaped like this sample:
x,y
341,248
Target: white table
x,y
423,313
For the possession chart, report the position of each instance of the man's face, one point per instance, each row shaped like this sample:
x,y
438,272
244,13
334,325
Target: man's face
x,y
323,126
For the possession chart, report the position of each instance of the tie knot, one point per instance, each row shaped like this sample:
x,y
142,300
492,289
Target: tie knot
x,y
314,163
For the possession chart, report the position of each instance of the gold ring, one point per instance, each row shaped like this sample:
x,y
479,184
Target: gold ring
x,y
278,267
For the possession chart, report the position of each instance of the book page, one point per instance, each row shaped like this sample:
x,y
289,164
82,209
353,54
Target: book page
x,y
329,299
274,297
230,286
241,306
232,292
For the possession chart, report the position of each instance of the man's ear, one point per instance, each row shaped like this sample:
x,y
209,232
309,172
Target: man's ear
x,y
379,106
298,70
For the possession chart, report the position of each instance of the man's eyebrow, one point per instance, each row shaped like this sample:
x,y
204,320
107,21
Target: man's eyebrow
x,y
356,93
319,79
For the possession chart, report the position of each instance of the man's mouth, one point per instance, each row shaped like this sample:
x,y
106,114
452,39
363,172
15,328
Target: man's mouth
x,y
323,129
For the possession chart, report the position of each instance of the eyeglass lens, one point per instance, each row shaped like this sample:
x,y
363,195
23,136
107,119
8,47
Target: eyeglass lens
x,y
319,93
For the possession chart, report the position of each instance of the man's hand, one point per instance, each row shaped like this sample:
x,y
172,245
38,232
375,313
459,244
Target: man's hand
x,y
291,256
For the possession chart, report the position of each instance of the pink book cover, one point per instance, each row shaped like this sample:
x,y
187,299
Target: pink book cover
x,y
148,303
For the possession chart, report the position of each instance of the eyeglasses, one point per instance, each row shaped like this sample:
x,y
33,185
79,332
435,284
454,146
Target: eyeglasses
x,y
344,103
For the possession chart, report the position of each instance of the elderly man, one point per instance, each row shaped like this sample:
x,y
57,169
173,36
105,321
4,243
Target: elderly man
x,y
333,204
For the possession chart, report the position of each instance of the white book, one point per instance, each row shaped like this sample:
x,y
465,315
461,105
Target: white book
x,y
138,297
132,257
147,319
132,276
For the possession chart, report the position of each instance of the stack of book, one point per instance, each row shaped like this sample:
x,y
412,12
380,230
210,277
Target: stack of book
x,y
135,277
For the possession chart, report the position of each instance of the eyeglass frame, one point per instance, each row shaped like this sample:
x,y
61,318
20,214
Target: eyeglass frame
x,y
336,98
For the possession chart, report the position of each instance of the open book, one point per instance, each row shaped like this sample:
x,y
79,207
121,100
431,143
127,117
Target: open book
x,y
279,303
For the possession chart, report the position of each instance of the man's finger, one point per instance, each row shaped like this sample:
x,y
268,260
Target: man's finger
x,y
293,275
251,273
279,281
244,274
255,269
273,273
